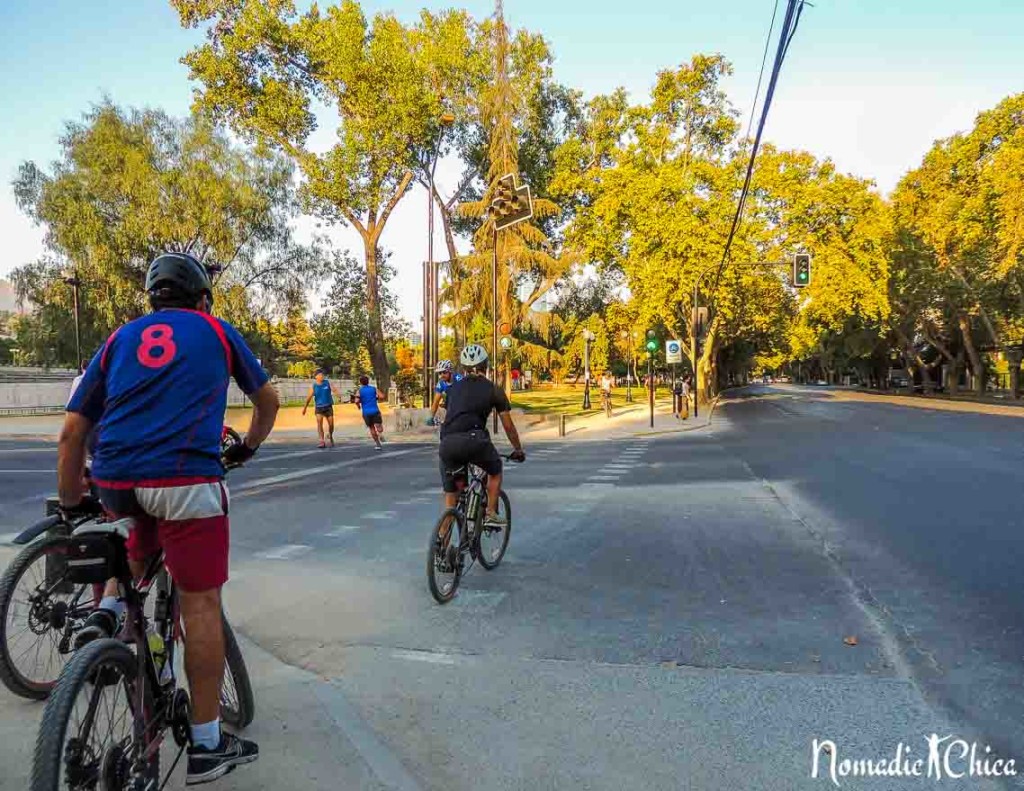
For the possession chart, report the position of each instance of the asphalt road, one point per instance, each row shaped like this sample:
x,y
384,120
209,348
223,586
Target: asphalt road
x,y
672,612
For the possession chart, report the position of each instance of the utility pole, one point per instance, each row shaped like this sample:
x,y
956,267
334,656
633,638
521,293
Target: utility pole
x,y
73,281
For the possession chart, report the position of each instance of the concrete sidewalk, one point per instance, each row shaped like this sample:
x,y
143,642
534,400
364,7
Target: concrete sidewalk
x,y
311,737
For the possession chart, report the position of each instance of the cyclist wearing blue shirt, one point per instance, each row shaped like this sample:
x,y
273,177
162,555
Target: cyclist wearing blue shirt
x,y
156,394
367,399
444,381
322,394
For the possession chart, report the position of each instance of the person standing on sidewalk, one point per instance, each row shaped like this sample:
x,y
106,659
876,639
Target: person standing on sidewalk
x,y
322,394
367,399
686,397
677,398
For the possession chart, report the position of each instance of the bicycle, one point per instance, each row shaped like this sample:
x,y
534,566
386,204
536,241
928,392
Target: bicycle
x,y
606,403
128,757
485,543
42,609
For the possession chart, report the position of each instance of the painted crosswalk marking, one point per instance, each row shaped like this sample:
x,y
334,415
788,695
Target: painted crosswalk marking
x,y
380,515
285,552
342,530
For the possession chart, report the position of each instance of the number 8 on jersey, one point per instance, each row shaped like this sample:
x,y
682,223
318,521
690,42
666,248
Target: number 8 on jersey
x,y
157,349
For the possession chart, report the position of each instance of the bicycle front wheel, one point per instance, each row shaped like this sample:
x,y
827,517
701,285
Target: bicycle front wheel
x,y
493,541
86,738
444,560
39,612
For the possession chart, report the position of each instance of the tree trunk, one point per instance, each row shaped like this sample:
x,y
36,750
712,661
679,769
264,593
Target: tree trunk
x,y
977,368
375,334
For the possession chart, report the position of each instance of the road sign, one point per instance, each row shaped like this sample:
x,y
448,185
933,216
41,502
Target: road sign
x,y
510,204
673,351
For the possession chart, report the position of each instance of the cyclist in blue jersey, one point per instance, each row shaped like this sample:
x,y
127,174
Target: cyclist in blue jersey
x,y
367,398
156,394
322,394
444,369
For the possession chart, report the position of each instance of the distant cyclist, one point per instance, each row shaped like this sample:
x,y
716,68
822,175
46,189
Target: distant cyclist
x,y
157,393
322,394
368,399
464,437
445,371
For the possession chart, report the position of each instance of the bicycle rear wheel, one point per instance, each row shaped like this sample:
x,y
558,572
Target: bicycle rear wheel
x,y
444,560
86,736
493,541
237,704
39,613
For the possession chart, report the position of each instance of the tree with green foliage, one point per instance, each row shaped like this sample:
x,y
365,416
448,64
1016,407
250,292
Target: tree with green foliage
x,y
130,184
528,264
263,68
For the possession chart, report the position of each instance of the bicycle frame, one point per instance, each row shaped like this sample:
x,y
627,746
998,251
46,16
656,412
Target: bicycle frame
x,y
148,729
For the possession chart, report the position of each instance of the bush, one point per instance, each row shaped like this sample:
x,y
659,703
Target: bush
x,y
303,369
408,383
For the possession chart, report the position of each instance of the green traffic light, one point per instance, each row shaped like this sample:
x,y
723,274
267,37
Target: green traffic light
x,y
652,346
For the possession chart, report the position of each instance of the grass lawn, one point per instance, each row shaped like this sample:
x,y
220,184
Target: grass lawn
x,y
568,400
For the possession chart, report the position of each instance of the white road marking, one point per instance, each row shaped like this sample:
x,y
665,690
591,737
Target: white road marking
x,y
603,478
265,457
298,474
29,450
597,486
425,656
30,472
618,466
8,538
285,552
572,509
380,515
342,530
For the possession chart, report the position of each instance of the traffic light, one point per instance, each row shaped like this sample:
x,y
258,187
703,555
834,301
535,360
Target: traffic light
x,y
801,270
505,331
652,341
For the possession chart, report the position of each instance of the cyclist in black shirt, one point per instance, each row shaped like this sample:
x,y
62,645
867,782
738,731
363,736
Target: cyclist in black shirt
x,y
464,437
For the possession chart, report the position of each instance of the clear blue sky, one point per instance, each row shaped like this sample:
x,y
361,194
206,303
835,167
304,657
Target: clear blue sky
x,y
867,82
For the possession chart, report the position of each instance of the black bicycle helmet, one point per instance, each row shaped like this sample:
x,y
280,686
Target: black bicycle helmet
x,y
177,276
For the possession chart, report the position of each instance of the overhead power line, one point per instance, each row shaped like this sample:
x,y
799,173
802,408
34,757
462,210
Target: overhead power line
x,y
760,74
794,9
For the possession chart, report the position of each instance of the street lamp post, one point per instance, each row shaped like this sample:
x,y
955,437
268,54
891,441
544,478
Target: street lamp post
x,y
588,338
431,343
73,281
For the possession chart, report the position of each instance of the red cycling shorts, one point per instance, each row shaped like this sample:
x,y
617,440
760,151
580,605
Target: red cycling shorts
x,y
189,522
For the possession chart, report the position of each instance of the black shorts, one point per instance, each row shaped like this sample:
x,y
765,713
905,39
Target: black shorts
x,y
326,411
472,447
373,418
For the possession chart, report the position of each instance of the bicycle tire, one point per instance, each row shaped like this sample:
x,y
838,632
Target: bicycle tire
x,y
11,677
49,755
492,563
441,594
240,715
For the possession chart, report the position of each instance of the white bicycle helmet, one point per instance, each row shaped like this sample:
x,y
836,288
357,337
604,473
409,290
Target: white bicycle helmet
x,y
473,355
443,366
